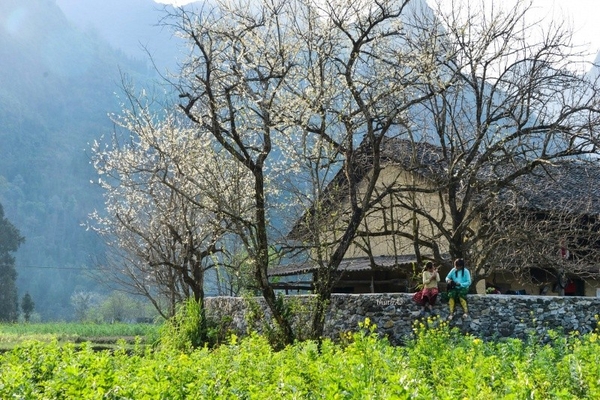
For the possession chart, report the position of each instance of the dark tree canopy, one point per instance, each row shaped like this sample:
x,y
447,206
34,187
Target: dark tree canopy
x,y
27,306
10,240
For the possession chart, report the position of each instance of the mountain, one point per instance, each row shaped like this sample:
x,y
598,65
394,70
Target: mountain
x,y
132,26
57,85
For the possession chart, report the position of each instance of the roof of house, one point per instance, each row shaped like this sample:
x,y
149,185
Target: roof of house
x,y
421,158
381,263
563,184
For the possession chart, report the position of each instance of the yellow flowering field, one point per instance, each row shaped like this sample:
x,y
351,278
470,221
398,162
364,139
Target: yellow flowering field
x,y
438,363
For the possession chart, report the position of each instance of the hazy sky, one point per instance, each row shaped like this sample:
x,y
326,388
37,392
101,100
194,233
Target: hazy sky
x,y
175,2
582,15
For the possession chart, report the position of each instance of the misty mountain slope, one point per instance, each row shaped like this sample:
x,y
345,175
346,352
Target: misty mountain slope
x,y
57,86
131,26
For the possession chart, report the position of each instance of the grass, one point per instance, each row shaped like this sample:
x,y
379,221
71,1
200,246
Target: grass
x,y
103,335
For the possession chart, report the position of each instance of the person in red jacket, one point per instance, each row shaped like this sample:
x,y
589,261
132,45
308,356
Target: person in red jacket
x,y
427,296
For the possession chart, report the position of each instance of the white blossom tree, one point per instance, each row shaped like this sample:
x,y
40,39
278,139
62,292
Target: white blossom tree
x,y
167,196
290,88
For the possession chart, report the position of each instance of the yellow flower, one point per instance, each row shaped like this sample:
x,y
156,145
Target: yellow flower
x,y
365,324
233,339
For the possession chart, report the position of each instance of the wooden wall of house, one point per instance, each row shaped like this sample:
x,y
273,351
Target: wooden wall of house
x,y
368,281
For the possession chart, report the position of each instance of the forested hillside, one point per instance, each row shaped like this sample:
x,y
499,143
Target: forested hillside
x,y
131,26
57,85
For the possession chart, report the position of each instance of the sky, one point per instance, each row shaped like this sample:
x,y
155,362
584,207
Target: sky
x,y
175,2
582,15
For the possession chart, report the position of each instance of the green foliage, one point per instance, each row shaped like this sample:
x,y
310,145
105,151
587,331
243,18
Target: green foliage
x,y
27,306
10,240
82,302
120,307
184,331
64,331
218,331
113,308
258,321
300,310
438,363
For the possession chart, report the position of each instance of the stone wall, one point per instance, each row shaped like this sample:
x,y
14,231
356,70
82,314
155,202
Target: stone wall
x,y
491,316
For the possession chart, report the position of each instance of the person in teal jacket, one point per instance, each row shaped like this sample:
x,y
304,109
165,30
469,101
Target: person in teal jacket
x,y
458,281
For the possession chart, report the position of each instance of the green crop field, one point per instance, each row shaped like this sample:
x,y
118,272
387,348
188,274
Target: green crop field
x,y
105,334
438,363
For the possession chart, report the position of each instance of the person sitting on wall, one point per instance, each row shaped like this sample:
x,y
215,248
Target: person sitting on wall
x,y
458,281
427,296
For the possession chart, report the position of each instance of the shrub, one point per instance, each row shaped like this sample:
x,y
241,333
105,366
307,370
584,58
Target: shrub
x,y
184,331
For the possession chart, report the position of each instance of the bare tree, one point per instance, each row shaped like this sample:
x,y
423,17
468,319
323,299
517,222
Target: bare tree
x,y
547,229
290,88
511,100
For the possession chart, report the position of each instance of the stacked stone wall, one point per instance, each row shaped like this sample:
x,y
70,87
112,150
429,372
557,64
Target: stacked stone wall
x,y
491,316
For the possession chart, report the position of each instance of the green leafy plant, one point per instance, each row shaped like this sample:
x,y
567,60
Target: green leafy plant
x,y
437,362
183,331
